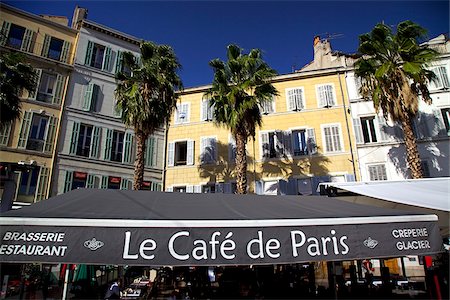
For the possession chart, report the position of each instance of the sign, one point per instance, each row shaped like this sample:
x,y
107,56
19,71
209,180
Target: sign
x,y
216,246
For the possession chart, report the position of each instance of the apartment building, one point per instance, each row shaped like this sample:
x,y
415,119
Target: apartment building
x,y
380,146
304,138
27,147
97,150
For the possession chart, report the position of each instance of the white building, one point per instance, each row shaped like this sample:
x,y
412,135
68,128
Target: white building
x,y
96,149
381,152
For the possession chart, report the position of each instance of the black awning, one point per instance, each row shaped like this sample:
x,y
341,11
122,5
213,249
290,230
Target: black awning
x,y
155,228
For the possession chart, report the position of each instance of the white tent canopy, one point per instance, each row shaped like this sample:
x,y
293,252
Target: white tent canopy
x,y
430,195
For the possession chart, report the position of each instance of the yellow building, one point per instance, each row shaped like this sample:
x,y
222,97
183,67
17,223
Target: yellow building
x,y
305,139
28,147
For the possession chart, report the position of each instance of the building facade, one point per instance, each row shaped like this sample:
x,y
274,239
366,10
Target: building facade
x,y
304,139
97,150
28,146
380,146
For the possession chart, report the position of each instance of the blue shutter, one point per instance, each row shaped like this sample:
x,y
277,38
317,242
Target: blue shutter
x,y
108,145
24,130
88,57
74,139
95,143
68,181
46,46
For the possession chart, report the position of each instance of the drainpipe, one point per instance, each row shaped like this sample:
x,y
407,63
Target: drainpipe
x,y
163,179
346,123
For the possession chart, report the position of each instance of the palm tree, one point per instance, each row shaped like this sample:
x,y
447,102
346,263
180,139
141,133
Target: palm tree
x,y
146,95
392,72
239,87
15,76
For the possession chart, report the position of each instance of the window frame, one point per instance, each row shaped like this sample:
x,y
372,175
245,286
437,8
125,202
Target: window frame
x,y
179,111
375,165
303,99
37,140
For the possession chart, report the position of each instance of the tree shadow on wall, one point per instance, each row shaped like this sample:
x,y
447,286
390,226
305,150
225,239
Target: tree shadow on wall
x,y
435,153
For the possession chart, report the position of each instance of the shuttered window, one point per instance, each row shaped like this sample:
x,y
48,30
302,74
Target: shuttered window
x,y
441,80
108,144
180,153
325,95
208,147
182,113
33,93
207,110
358,131
27,43
295,99
4,34
150,152
268,106
51,135
66,52
332,138
24,130
74,138
95,144
128,152
90,97
68,181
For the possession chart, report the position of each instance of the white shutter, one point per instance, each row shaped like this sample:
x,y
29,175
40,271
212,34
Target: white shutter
x,y
287,142
322,96
382,127
311,143
265,147
169,189
204,112
203,152
213,145
197,189
189,189
232,150
279,143
190,153
439,129
171,154
290,99
358,131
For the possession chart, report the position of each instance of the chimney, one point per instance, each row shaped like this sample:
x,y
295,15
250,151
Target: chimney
x,y
316,40
79,14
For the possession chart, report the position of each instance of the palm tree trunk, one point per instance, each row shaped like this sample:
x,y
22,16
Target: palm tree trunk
x,y
412,153
241,163
139,162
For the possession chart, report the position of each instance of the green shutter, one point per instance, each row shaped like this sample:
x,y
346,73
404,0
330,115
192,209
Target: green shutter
x,y
104,182
42,184
88,57
57,96
74,139
94,98
4,33
108,145
95,142
24,130
149,162
32,94
119,62
65,53
106,59
68,181
128,148
87,103
46,46
51,133
4,135
124,184
27,41
90,183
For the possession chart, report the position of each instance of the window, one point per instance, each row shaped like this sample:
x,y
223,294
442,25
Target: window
x,y
268,106
15,37
441,80
4,135
209,188
28,185
446,117
332,138
55,48
295,99
79,180
325,95
368,130
208,150
84,140
117,146
114,182
98,56
46,87
182,113
120,66
275,144
180,153
90,97
179,189
207,112
377,172
425,169
36,138
304,142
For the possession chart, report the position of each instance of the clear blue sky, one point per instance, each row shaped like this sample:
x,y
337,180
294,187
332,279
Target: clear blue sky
x,y
284,31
